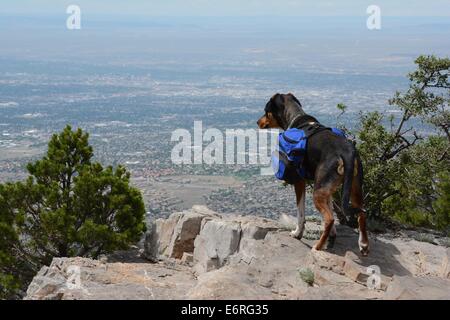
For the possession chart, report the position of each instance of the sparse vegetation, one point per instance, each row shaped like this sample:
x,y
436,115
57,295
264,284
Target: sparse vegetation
x,y
376,225
312,234
445,242
424,237
307,275
313,218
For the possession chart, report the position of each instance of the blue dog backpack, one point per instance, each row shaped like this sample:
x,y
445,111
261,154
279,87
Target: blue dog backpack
x,y
288,158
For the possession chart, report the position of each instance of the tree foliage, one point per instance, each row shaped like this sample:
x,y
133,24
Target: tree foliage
x,y
68,206
406,161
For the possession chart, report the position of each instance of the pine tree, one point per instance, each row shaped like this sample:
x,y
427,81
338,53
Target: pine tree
x,y
405,167
68,206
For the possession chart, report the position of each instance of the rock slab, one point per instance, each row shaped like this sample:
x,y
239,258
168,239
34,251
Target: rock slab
x,y
199,254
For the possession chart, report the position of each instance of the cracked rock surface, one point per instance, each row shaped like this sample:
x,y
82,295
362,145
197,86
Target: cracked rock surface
x,y
199,254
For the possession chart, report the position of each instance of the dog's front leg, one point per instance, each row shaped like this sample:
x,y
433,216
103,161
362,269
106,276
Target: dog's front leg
x,y
300,192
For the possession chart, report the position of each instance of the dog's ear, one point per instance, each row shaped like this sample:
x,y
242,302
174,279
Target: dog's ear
x,y
276,95
272,105
295,99
278,103
276,107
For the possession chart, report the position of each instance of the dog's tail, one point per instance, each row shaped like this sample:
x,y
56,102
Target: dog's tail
x,y
349,167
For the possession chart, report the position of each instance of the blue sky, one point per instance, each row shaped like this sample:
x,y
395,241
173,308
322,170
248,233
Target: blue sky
x,y
232,7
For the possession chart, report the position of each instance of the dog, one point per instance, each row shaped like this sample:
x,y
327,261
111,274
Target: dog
x,y
331,160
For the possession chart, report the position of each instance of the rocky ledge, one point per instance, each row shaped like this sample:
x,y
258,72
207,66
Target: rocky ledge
x,y
199,254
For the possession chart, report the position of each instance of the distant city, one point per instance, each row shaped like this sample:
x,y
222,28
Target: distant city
x,y
130,83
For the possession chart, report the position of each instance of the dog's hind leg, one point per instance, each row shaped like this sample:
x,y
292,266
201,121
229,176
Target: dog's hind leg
x,y
321,201
333,233
357,203
326,182
300,192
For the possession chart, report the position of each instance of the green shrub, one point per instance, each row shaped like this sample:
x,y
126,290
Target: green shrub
x,y
307,276
68,206
406,173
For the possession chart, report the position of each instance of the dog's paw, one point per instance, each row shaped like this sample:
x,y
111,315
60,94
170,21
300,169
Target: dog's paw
x,y
363,246
364,249
297,233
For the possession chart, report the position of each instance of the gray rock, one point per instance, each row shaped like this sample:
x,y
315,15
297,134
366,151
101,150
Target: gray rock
x,y
164,232
205,211
184,234
327,261
151,246
234,257
256,227
360,274
217,241
445,267
45,286
223,284
172,237
117,281
423,288
261,269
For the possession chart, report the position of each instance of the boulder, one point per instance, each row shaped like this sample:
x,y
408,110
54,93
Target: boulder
x,y
217,241
51,283
184,234
249,250
256,227
45,285
161,235
175,235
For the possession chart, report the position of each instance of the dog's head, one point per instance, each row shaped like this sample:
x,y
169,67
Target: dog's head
x,y
279,111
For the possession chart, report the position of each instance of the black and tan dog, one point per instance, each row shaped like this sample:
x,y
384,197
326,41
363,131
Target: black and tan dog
x,y
331,159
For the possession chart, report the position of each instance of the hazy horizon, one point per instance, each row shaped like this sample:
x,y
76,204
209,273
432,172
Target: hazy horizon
x,y
236,7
